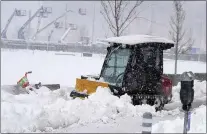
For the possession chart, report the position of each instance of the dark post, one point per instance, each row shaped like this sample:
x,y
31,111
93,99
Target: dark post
x,y
187,96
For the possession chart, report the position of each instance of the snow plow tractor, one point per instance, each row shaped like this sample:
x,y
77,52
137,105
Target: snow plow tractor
x,y
134,66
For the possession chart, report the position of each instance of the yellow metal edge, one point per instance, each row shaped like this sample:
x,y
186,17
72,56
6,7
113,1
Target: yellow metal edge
x,y
88,85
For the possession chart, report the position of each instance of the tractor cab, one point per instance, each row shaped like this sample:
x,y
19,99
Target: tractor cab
x,y
133,65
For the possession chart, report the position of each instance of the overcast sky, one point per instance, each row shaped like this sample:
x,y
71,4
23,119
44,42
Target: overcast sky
x,y
159,12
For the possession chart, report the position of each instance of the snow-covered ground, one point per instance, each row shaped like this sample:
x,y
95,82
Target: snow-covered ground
x,y
55,111
48,67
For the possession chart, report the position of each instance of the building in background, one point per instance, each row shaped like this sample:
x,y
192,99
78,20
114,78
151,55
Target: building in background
x,y
96,25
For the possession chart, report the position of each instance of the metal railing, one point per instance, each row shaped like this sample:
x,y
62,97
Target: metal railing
x,y
190,57
76,47
65,47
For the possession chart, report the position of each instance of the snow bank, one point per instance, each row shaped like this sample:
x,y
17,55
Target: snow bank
x,y
199,90
99,107
19,111
198,123
47,110
198,116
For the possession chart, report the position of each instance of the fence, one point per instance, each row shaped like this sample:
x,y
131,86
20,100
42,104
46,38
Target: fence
x,y
65,47
190,57
75,47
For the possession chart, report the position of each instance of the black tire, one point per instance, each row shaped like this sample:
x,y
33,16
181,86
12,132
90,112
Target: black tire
x,y
159,104
136,101
170,99
160,108
75,94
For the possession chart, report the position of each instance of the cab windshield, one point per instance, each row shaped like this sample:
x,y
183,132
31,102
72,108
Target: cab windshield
x,y
115,65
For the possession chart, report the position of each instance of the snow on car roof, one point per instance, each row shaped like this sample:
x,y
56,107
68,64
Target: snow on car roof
x,y
137,39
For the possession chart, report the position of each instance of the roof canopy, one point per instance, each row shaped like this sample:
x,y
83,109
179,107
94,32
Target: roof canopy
x,y
138,39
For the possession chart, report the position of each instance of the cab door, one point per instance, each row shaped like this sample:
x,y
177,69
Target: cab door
x,y
134,81
152,63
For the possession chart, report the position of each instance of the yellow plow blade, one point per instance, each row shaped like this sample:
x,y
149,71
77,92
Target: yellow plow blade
x,y
89,86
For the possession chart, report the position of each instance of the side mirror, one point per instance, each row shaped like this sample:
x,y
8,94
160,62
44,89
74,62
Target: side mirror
x,y
108,48
187,90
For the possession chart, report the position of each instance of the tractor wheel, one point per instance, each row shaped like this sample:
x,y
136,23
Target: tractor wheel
x,y
169,99
159,104
136,101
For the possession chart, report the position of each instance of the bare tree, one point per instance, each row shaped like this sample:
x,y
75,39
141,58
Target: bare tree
x,y
119,14
177,32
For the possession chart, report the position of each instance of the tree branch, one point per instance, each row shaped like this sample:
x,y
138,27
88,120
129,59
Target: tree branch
x,y
113,14
110,5
126,3
119,9
188,43
181,36
177,33
116,18
106,17
110,25
130,13
127,25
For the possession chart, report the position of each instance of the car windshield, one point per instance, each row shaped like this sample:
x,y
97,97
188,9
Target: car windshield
x,y
115,65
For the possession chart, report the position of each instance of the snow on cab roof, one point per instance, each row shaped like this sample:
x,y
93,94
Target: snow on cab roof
x,y
137,39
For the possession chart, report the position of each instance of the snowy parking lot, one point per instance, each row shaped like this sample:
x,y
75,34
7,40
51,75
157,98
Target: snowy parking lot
x,y
55,111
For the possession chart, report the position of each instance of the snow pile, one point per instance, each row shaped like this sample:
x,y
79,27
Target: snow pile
x,y
198,123
19,111
199,90
101,106
51,110
176,93
47,110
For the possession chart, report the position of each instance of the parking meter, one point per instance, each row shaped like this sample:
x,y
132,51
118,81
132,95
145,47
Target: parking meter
x,y
187,96
187,90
